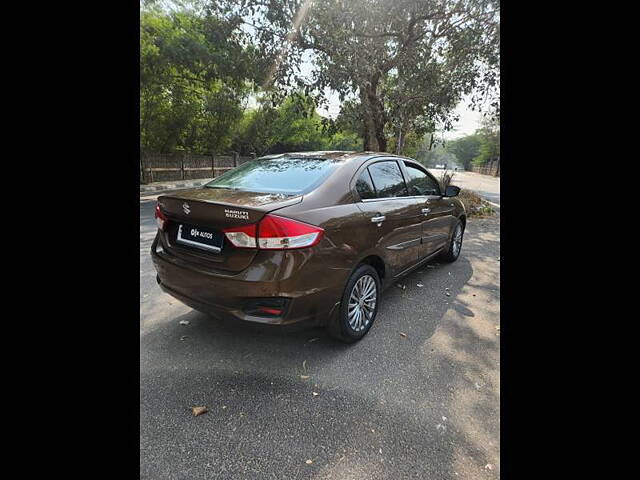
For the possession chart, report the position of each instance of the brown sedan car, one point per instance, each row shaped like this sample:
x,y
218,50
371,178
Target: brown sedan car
x,y
308,237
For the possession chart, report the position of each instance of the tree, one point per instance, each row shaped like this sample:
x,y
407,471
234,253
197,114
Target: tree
x,y
407,62
195,74
489,135
293,126
465,149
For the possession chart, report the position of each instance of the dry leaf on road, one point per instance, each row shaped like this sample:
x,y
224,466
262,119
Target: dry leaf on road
x,y
402,334
309,462
198,410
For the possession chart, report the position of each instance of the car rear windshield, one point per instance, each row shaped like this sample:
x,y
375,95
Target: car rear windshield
x,y
288,175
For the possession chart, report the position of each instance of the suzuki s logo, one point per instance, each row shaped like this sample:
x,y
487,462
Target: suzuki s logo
x,y
185,207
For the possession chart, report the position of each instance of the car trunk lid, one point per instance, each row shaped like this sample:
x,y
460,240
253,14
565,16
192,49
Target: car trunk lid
x,y
207,212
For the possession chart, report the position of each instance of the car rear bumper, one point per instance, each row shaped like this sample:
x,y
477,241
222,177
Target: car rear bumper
x,y
226,296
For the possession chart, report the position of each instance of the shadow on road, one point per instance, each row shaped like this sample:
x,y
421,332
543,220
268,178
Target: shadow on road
x,y
379,404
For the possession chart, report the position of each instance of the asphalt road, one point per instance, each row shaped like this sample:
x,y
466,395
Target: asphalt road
x,y
425,405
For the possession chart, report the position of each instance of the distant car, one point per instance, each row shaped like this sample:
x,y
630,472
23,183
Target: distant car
x,y
440,167
305,237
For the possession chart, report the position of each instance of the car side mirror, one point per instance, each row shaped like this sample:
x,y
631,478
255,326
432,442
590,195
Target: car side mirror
x,y
451,191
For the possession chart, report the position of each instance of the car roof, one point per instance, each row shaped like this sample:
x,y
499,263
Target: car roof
x,y
333,155
327,154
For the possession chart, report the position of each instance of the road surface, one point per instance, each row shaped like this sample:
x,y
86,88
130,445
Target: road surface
x,y
485,185
425,405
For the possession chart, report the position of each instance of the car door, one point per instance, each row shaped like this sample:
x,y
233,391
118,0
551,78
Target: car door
x,y
437,211
393,218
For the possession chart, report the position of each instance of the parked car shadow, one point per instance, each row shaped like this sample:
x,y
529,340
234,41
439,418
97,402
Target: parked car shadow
x,y
374,414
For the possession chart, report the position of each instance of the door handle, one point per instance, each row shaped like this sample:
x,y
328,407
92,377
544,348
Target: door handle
x,y
426,211
379,219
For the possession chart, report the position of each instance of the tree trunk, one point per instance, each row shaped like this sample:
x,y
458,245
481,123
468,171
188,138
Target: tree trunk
x,y
366,137
401,138
367,124
399,142
379,120
380,137
374,118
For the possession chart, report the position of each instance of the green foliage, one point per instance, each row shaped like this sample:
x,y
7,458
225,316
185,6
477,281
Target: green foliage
x,y
399,68
465,149
194,77
197,73
489,135
293,126
404,63
412,142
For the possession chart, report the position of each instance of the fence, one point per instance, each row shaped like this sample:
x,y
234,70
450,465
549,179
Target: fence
x,y
489,168
166,167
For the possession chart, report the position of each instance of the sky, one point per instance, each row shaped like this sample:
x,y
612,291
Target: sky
x,y
469,122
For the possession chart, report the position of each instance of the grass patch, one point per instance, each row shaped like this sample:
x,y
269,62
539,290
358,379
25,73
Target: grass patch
x,y
476,206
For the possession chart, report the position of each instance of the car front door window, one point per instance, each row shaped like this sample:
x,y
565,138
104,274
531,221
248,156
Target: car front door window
x,y
419,183
436,220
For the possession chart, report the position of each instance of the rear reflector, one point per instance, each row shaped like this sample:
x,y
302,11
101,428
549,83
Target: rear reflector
x,y
270,311
266,307
161,219
275,233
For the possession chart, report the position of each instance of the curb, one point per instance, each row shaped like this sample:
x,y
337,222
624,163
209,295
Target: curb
x,y
173,186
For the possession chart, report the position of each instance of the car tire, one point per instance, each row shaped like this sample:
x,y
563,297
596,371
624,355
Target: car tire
x,y
455,244
357,299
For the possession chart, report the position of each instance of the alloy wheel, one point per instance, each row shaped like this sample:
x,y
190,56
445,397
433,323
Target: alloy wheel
x,y
362,303
457,241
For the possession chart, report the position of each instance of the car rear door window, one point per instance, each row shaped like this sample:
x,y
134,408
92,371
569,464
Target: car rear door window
x,y
387,179
364,186
419,182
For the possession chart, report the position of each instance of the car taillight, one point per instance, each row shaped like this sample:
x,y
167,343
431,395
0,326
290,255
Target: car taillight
x,y
161,219
279,233
275,233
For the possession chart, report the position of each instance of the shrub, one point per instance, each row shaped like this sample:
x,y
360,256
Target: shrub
x,y
476,206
